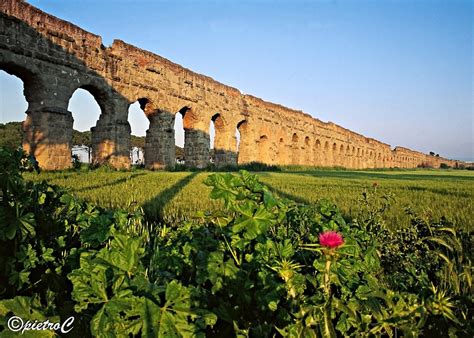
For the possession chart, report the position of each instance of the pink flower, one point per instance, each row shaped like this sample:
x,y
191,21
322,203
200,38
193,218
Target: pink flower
x,y
330,239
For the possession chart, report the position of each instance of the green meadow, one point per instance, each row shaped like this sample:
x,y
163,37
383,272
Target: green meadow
x,y
174,196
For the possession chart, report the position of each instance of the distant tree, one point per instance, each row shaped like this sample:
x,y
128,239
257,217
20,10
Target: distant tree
x,y
11,135
432,153
179,153
437,155
83,138
138,141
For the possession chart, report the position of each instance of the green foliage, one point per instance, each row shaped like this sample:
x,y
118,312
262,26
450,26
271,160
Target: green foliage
x,y
138,141
440,193
265,250
444,166
112,287
82,138
252,166
76,163
253,267
11,135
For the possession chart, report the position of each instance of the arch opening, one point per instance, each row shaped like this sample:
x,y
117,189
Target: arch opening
x,y
308,152
216,139
263,151
86,110
10,117
295,151
237,140
179,137
281,151
138,113
242,151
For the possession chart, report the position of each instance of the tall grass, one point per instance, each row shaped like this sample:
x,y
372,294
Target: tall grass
x,y
173,196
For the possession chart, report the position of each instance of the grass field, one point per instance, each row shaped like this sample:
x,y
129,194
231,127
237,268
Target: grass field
x,y
172,196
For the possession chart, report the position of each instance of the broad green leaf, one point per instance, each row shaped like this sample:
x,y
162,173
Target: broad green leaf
x,y
89,283
219,270
125,253
253,223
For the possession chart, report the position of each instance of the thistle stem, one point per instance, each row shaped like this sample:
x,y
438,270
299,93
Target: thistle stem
x,y
328,331
327,277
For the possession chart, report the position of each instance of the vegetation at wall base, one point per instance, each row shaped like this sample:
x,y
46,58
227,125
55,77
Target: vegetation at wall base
x,y
256,267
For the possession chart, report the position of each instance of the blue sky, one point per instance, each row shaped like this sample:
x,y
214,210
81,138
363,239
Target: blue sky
x,y
397,71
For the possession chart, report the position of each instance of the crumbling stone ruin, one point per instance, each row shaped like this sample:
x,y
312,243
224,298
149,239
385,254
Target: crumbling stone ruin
x,y
54,58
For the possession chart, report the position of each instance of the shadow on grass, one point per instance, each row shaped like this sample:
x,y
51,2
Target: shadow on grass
x,y
154,208
440,191
391,175
119,181
286,195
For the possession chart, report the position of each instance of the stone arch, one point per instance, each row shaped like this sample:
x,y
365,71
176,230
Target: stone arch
x,y
334,154
352,158
85,111
32,82
341,155
263,150
153,135
47,128
244,151
100,94
216,122
308,152
363,156
295,158
178,129
196,138
221,139
103,145
346,160
282,153
327,154
17,103
358,158
188,117
318,153
147,105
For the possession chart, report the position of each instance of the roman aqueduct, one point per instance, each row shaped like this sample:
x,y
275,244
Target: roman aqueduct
x,y
54,58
